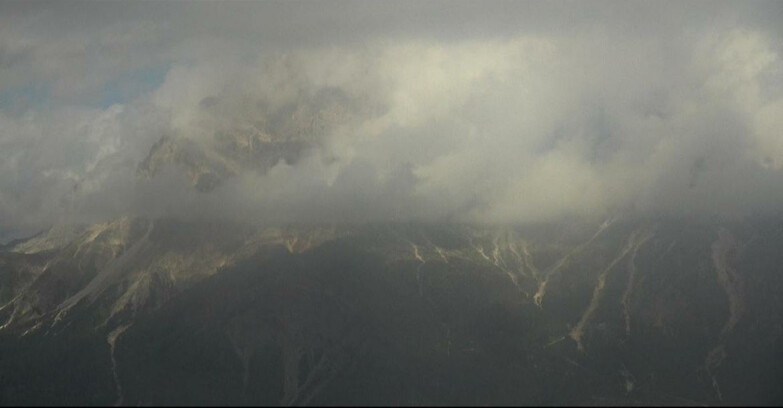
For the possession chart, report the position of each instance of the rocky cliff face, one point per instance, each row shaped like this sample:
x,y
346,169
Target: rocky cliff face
x,y
254,143
139,311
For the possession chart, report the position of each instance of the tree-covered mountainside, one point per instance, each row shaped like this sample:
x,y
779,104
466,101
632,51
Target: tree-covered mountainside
x,y
140,312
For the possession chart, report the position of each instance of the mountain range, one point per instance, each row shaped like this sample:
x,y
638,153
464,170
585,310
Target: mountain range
x,y
631,311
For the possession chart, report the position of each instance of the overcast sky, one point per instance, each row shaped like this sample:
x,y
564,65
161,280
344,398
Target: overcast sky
x,y
459,111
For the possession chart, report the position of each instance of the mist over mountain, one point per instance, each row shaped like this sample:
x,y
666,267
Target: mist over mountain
x,y
391,203
501,113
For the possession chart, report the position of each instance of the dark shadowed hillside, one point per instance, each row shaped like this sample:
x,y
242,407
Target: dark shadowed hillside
x,y
142,312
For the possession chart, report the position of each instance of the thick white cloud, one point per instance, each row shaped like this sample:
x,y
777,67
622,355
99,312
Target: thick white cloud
x,y
565,119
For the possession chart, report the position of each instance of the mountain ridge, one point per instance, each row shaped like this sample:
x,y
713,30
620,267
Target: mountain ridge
x,y
329,305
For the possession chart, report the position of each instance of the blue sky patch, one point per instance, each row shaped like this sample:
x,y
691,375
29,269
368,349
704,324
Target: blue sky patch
x,y
22,97
132,84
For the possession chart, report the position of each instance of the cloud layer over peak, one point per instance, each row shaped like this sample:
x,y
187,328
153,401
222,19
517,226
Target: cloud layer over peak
x,y
509,112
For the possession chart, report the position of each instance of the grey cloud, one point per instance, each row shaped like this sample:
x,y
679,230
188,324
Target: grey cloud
x,y
456,111
77,44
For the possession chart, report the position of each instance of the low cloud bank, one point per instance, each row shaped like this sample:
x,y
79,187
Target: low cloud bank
x,y
512,128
